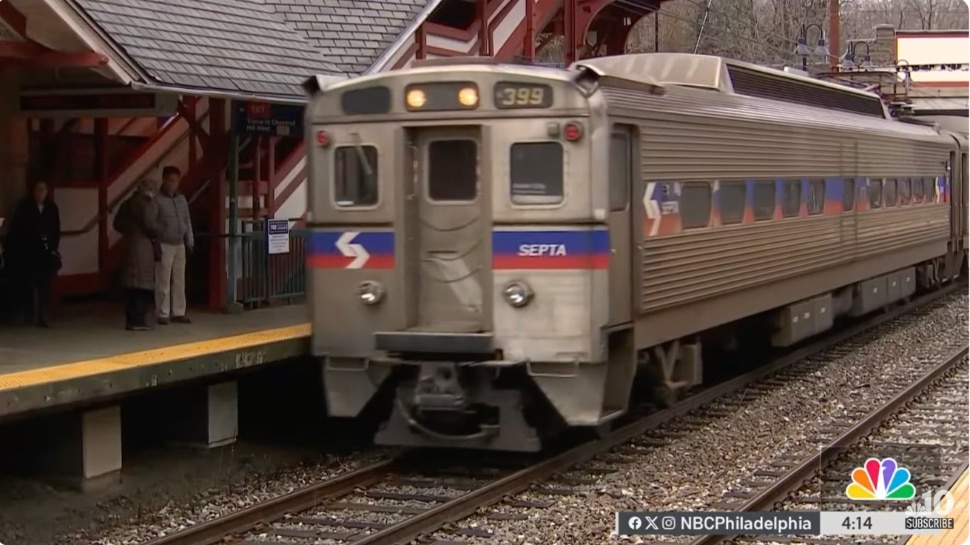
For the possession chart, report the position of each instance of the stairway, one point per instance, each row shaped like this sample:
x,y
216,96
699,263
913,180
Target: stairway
x,y
86,223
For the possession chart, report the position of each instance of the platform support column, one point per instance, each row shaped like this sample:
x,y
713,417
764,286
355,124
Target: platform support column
x,y
86,449
206,417
215,157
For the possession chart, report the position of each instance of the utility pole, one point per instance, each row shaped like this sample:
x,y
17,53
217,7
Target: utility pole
x,y
835,50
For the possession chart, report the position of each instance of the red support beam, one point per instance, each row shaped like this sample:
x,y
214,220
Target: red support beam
x,y
189,115
529,40
484,48
215,154
37,55
103,167
422,42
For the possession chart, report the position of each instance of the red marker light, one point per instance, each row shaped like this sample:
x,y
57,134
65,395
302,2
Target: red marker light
x,y
572,132
323,138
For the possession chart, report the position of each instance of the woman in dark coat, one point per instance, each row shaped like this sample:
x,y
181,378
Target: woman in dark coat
x,y
33,243
137,221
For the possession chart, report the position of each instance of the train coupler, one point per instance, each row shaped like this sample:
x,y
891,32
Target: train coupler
x,y
494,422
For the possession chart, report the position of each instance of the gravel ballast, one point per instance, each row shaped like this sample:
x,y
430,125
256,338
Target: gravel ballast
x,y
691,463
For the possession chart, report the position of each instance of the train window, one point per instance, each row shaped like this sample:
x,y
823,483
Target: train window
x,y
536,172
929,188
695,205
731,201
619,171
816,197
848,195
875,193
889,192
764,200
355,176
903,188
791,198
452,170
917,190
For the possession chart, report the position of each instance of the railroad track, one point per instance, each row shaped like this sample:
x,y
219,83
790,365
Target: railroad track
x,y
396,501
844,446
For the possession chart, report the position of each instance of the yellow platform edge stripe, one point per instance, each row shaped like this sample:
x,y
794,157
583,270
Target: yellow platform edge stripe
x,y
155,356
960,491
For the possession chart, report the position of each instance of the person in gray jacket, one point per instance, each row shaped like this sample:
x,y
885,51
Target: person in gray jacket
x,y
176,239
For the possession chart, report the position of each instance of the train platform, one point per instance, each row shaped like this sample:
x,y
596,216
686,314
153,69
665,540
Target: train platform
x,y
88,355
959,534
63,390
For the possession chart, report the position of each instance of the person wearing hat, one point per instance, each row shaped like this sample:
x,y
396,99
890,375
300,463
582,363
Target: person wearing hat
x,y
137,221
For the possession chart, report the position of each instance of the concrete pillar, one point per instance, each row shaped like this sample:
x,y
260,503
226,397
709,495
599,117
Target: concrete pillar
x,y
206,417
14,152
84,448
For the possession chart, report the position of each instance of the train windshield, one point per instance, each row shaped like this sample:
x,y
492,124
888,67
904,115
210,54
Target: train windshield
x,y
536,172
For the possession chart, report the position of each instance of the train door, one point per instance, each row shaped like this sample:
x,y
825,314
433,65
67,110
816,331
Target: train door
x,y
451,247
621,169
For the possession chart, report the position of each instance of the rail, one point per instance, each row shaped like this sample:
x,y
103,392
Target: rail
x,y
796,477
425,521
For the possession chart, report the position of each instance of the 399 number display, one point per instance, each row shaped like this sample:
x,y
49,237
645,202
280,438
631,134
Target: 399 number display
x,y
522,95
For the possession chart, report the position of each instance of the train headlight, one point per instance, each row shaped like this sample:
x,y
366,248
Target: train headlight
x,y
517,294
468,96
416,98
370,292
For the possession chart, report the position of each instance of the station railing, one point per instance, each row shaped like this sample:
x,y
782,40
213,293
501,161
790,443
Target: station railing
x,y
263,277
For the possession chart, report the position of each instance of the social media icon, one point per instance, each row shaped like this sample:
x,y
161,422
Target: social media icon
x,y
634,523
668,523
651,523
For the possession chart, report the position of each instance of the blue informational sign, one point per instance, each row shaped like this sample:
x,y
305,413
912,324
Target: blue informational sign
x,y
267,119
277,236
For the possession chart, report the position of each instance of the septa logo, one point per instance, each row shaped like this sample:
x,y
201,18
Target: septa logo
x,y
880,480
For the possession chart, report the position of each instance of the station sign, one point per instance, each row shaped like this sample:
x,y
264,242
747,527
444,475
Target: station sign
x,y
97,103
935,59
263,118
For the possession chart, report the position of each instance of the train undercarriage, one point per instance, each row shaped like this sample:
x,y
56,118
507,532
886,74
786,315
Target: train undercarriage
x,y
473,402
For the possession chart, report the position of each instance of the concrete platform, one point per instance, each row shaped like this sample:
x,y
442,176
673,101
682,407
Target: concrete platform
x,y
88,355
958,535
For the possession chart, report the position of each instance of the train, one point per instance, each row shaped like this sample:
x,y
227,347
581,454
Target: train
x,y
497,253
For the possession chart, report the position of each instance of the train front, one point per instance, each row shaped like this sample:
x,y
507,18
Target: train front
x,y
458,271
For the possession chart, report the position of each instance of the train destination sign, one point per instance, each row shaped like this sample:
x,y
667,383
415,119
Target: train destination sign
x,y
522,95
267,119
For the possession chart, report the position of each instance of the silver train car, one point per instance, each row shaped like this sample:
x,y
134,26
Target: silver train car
x,y
499,252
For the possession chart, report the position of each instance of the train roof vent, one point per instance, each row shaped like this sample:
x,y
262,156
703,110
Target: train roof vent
x,y
701,71
762,83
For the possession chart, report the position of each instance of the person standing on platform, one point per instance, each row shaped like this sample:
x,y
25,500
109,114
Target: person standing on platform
x,y
177,240
32,253
137,221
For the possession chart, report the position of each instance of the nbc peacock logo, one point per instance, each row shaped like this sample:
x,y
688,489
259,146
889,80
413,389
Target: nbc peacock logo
x,y
880,480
